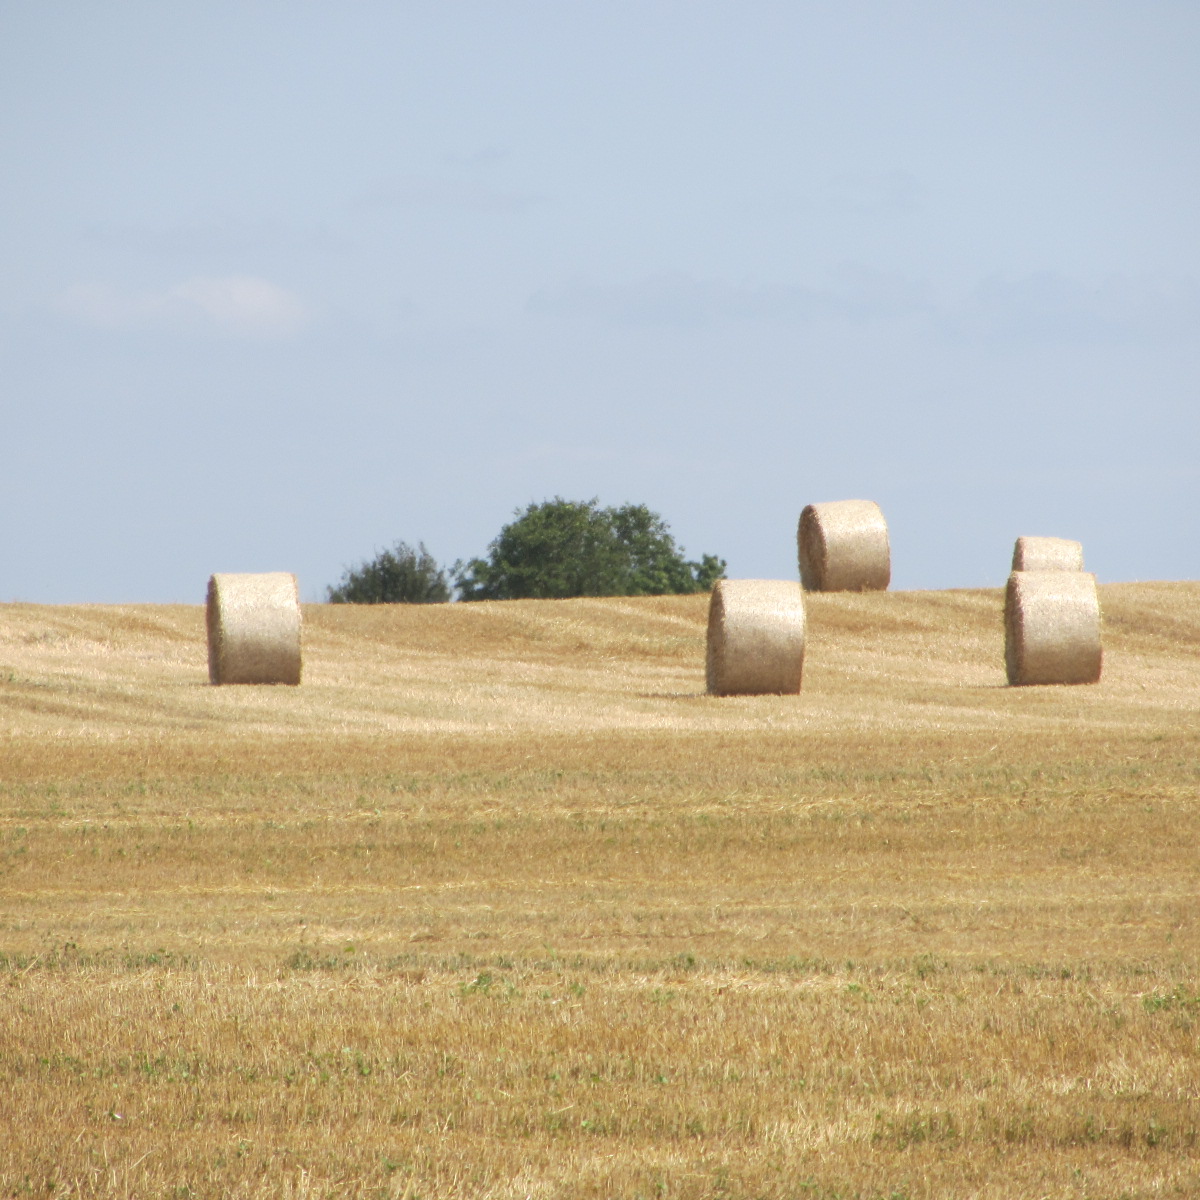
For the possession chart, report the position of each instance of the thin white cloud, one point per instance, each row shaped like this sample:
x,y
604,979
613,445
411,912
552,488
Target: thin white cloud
x,y
856,294
484,157
444,194
217,235
1045,308
242,306
105,307
888,193
1048,307
881,195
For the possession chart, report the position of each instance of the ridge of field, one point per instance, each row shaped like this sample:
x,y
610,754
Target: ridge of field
x,y
499,903
882,661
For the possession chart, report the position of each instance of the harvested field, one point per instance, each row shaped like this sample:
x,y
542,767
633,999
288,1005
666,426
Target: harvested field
x,y
499,902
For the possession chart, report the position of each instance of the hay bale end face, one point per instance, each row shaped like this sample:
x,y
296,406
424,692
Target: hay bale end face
x,y
253,629
1047,554
1052,628
843,547
755,637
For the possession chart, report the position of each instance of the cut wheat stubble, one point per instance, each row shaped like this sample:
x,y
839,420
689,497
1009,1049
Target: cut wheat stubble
x,y
1052,628
843,547
253,629
755,637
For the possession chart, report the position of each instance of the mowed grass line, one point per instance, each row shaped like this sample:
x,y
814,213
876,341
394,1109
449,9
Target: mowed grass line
x,y
909,934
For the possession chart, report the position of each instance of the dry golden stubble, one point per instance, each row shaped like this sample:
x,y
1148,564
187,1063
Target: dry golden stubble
x,y
910,933
856,1075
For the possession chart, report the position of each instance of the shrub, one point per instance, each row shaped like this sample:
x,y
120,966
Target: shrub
x,y
400,575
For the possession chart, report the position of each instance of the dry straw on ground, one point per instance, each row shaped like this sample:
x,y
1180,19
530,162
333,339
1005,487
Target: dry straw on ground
x,y
755,637
253,629
1047,554
499,904
1052,627
843,547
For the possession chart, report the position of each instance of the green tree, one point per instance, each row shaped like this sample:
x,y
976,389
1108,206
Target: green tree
x,y
563,548
400,575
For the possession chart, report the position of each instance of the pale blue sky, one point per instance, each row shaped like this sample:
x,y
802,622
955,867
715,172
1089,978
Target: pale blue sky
x,y
282,283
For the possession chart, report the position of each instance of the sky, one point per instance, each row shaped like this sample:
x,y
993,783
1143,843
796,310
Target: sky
x,y
284,283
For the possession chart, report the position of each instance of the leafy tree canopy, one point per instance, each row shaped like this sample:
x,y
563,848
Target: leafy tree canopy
x,y
562,548
400,575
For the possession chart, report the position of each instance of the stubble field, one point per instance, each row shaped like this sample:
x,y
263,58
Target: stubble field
x,y
499,903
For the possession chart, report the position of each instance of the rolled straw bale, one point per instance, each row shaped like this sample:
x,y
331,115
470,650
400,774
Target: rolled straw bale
x,y
253,629
1047,554
844,547
1052,627
755,637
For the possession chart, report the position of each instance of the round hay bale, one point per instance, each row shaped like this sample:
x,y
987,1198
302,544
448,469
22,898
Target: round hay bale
x,y
253,629
755,637
1047,554
843,547
1052,627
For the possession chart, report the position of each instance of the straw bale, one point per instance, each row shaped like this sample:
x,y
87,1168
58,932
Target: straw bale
x,y
755,637
1052,627
843,547
253,629
1047,554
